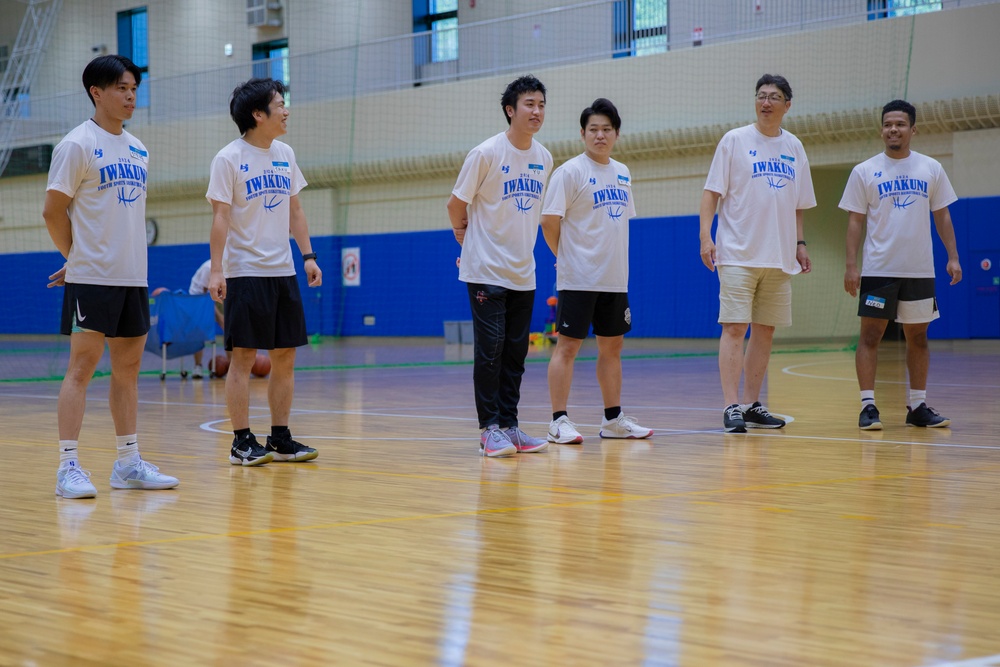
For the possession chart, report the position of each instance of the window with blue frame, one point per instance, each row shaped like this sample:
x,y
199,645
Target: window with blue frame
x,y
887,9
133,43
640,27
273,61
440,19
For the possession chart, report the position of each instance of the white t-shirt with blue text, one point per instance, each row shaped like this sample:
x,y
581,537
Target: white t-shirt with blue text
x,y
503,187
898,196
595,202
763,181
105,175
258,184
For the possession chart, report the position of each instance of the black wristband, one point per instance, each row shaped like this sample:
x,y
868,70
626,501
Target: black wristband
x,y
308,255
801,243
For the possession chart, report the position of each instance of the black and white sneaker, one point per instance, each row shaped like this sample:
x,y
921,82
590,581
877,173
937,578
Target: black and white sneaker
x,y
283,448
248,452
732,419
925,416
868,419
758,417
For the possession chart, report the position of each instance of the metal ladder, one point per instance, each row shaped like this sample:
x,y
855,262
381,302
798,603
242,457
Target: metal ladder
x,y
29,48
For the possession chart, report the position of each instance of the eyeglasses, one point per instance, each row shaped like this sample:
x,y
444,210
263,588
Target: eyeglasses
x,y
773,98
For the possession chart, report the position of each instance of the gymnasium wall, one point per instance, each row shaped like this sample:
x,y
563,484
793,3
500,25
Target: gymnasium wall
x,y
409,282
392,167
381,166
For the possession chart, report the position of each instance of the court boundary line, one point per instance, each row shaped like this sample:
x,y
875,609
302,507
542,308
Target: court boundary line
x,y
208,426
788,371
102,374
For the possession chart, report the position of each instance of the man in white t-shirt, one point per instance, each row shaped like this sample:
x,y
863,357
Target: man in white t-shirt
x,y
95,212
760,182
253,187
588,205
494,211
895,193
199,285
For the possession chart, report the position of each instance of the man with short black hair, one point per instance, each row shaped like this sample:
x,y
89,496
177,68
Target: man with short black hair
x,y
253,189
760,182
588,205
95,212
494,211
895,193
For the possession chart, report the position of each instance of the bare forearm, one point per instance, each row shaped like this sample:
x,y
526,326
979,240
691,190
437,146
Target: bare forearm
x,y
55,212
458,213
300,232
550,232
709,204
855,226
217,240
61,232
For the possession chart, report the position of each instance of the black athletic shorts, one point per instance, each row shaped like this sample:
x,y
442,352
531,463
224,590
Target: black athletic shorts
x,y
906,300
607,311
113,310
263,313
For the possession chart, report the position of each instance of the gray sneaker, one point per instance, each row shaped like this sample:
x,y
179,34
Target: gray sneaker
x,y
925,416
495,442
757,416
868,419
732,419
524,443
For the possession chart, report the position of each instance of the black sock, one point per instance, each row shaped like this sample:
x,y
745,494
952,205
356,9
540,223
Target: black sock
x,y
280,432
557,415
612,413
241,433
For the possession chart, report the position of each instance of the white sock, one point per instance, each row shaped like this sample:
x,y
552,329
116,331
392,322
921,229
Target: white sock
x,y
745,406
67,453
128,448
867,398
917,396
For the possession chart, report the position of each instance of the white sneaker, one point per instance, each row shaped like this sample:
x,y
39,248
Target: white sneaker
x,y
74,482
624,427
562,431
198,373
140,475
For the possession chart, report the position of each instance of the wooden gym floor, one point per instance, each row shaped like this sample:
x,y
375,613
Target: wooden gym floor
x,y
816,545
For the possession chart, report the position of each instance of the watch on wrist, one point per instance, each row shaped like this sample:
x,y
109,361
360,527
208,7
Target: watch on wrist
x,y
308,256
801,243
